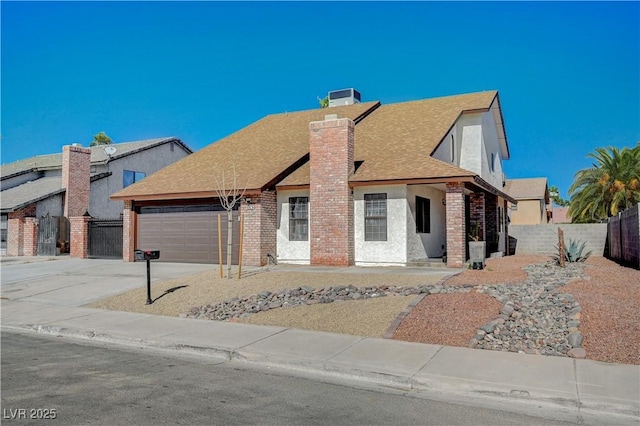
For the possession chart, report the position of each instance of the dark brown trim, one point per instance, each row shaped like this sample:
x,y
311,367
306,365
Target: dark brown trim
x,y
417,181
490,188
180,196
365,114
292,187
286,172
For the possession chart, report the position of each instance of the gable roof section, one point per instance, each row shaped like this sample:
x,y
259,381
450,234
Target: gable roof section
x,y
262,153
395,142
22,195
54,161
527,189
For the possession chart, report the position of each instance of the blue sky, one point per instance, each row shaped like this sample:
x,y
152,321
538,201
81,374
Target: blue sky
x,y
567,72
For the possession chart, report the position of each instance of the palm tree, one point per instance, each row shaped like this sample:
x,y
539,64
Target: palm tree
x,y
611,185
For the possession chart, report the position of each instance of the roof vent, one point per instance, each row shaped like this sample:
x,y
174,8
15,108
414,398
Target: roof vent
x,y
344,97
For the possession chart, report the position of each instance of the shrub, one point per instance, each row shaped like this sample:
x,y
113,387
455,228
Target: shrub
x,y
573,252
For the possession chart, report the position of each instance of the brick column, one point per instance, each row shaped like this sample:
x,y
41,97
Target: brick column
x,y
129,219
15,237
79,236
456,238
15,230
331,145
477,214
260,228
30,238
76,167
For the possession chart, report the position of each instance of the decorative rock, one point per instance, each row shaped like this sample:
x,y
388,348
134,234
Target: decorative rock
x,y
575,340
579,353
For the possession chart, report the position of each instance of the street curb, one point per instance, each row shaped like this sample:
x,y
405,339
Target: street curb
x,y
461,392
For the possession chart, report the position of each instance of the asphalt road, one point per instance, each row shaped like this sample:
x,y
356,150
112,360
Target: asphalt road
x,y
78,383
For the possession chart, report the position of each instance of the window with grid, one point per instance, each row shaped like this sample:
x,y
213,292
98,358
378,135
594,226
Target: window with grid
x,y
298,218
423,215
375,217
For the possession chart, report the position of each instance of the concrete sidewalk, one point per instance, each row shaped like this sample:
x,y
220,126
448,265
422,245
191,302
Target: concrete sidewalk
x,y
580,391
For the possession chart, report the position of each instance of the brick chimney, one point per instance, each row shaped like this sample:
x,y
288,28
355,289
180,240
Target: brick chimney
x,y
76,168
331,201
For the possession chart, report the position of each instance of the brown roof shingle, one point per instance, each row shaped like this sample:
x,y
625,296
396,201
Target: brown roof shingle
x,y
260,153
396,141
393,142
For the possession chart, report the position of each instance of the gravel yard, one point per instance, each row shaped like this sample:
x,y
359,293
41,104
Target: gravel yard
x,y
608,296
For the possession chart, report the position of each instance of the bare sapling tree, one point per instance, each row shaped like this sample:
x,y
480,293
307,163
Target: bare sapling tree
x,y
229,197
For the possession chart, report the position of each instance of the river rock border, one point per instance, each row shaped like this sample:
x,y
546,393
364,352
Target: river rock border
x,y
535,318
304,295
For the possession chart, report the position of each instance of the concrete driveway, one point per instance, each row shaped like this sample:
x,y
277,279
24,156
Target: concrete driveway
x,y
69,281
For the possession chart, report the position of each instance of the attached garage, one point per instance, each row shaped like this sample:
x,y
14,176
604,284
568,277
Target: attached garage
x,y
186,236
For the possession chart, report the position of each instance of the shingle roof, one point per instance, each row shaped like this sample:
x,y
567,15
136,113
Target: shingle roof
x,y
396,141
54,161
261,152
527,189
30,192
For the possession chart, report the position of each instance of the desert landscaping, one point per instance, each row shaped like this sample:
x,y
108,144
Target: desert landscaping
x,y
517,303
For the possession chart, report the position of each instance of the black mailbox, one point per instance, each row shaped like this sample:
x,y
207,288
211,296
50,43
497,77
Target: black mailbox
x,y
146,254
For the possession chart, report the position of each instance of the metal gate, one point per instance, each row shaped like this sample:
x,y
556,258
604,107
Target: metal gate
x,y
53,235
105,238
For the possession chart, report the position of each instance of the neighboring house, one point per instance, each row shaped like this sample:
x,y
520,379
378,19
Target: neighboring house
x,y
74,182
560,214
533,206
358,183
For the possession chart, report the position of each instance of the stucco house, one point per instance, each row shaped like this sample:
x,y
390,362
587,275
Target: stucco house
x,y
533,206
355,183
72,183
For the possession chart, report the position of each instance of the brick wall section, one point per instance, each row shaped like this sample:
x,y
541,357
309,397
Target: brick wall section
x,y
128,231
491,218
260,222
331,144
15,230
76,167
79,236
15,237
30,239
477,214
456,238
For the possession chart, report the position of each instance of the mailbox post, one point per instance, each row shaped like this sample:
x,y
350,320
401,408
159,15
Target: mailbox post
x,y
147,255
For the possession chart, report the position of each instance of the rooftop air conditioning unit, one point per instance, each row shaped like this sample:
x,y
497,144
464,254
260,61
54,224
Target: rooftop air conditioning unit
x,y
344,97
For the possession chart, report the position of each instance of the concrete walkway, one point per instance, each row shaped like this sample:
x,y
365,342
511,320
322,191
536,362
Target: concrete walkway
x,y
47,297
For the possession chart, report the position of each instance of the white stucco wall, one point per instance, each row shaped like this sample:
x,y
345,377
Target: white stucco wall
x,y
290,251
471,149
476,138
421,247
394,250
491,146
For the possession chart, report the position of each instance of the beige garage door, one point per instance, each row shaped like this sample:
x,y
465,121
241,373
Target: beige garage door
x,y
187,237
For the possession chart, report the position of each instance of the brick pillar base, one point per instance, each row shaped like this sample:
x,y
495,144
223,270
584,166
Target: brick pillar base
x,y
15,237
456,238
30,239
79,236
259,239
